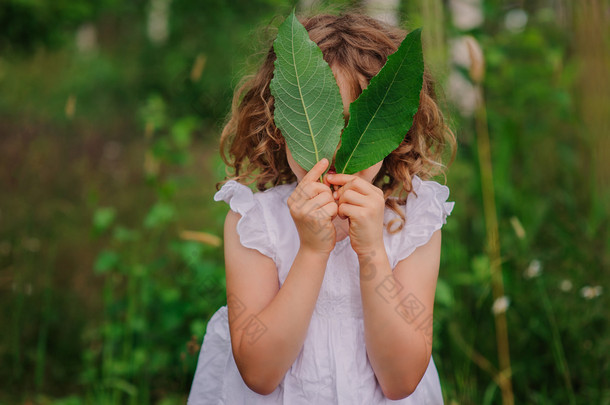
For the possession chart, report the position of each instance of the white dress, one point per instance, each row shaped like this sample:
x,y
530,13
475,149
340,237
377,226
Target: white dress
x,y
332,366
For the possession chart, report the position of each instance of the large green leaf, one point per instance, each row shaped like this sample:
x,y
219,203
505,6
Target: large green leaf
x,y
383,114
308,106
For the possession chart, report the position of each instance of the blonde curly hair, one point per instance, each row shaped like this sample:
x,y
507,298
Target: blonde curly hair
x,y
357,44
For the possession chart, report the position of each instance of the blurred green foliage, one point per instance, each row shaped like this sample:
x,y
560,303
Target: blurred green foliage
x,y
27,24
109,152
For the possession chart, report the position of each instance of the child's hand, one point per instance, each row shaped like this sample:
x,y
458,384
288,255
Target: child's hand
x,y
313,208
363,203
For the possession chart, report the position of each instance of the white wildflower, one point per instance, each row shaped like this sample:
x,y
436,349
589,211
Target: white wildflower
x,y
589,292
533,270
158,21
86,38
383,10
565,285
467,14
515,20
500,305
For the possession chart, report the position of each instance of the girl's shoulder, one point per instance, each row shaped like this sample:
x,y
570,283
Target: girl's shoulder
x,y
426,211
430,196
239,195
427,195
260,222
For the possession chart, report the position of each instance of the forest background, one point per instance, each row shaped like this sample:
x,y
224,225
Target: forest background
x,y
111,259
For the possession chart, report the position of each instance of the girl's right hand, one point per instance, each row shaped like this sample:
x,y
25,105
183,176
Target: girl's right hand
x,y
313,207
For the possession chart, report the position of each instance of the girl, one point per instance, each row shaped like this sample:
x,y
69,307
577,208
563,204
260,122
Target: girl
x,y
330,285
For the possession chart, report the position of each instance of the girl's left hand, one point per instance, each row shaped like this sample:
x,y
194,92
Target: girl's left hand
x,y
363,203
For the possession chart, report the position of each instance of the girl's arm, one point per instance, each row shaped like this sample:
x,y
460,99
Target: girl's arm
x,y
397,310
268,324
397,305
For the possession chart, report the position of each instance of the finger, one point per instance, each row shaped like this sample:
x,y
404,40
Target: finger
x,y
317,188
354,187
299,197
330,209
332,187
305,207
352,197
318,201
309,190
355,183
343,179
316,171
347,210
325,181
339,178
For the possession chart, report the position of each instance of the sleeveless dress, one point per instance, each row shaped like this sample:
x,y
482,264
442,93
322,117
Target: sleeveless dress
x,y
332,366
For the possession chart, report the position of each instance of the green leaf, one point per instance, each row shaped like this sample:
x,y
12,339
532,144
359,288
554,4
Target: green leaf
x,y
383,114
443,293
103,218
308,105
123,234
182,131
159,214
107,260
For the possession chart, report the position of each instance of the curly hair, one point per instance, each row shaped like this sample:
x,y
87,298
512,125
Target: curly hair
x,y
357,44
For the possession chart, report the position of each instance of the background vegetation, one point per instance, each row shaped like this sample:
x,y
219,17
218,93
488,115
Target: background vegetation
x,y
110,242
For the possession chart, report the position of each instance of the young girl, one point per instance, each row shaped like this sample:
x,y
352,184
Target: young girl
x,y
330,285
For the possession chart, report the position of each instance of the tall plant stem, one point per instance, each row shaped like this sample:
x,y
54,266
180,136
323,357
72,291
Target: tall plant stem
x,y
43,334
493,247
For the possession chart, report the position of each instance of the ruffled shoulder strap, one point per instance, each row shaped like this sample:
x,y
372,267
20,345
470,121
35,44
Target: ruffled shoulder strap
x,y
424,215
253,226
